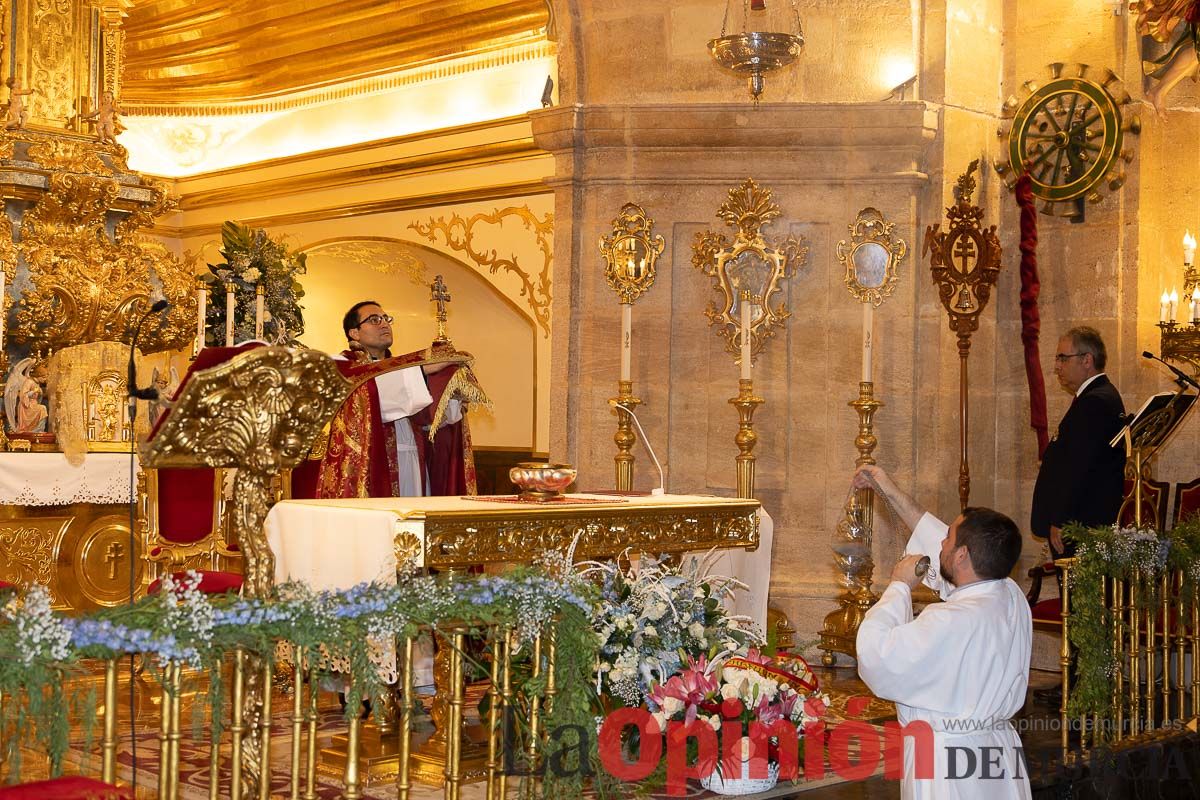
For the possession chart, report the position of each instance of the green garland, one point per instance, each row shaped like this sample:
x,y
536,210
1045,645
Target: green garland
x,y
43,648
1118,553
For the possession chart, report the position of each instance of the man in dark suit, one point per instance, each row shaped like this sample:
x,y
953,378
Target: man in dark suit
x,y
1081,478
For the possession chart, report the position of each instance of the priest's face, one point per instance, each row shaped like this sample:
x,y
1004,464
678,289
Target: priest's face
x,y
374,332
949,556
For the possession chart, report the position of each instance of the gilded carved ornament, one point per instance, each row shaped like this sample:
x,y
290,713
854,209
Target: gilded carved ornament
x,y
459,234
86,287
749,266
630,253
870,257
385,256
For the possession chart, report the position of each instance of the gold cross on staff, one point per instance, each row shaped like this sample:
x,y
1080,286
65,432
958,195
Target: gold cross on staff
x,y
439,294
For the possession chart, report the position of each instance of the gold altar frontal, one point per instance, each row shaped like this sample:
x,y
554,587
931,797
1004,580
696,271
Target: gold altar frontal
x,y
448,533
80,552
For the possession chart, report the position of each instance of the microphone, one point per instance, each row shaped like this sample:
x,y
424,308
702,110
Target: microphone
x,y
1181,377
645,441
149,393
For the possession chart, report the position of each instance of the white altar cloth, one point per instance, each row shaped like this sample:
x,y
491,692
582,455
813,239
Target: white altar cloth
x,y
48,479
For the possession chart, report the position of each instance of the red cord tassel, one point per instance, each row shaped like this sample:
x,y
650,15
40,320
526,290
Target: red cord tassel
x,y
1030,320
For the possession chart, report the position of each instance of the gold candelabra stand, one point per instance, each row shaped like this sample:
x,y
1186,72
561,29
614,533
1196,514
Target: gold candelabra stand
x,y
841,625
746,438
1180,341
629,253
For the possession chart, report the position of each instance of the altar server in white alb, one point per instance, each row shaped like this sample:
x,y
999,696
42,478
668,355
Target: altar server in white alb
x,y
962,666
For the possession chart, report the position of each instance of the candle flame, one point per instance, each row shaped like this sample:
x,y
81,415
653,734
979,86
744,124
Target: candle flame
x,y
1174,296
1189,243
1166,298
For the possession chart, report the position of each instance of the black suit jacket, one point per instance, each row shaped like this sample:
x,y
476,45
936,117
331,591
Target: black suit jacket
x,y
1082,478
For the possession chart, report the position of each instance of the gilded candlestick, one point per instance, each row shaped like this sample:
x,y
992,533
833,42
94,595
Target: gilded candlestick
x,y
746,438
625,437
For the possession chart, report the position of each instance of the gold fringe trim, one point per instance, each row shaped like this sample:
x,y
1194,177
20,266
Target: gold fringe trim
x,y
465,387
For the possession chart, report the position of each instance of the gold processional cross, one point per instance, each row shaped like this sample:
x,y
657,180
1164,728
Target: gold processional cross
x,y
439,294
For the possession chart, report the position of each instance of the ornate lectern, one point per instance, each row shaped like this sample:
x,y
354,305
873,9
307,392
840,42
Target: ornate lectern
x,y
259,413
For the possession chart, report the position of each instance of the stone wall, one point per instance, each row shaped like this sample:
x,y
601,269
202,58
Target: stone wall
x,y
646,117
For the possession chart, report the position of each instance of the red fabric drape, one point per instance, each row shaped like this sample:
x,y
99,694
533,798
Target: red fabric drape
x,y
1030,321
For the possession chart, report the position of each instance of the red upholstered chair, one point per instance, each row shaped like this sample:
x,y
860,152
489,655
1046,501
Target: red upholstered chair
x,y
68,787
1154,504
1047,614
183,528
1187,500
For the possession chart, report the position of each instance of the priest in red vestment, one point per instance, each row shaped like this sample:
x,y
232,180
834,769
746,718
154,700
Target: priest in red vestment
x,y
402,431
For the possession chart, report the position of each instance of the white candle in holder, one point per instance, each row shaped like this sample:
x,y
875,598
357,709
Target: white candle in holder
x,y
1174,305
1164,307
1189,248
260,299
745,329
868,341
230,310
201,312
1195,305
626,340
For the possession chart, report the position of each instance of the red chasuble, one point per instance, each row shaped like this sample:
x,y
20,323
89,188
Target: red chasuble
x,y
359,457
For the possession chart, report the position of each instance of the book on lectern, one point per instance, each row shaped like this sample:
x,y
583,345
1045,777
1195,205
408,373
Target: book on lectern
x,y
1156,419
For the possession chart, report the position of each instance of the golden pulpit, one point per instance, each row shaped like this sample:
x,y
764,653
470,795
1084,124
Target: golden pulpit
x,y
258,413
335,544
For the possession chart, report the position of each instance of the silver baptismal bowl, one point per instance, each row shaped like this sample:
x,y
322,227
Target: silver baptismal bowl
x,y
541,481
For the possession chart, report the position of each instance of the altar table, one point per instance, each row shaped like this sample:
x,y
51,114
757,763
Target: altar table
x,y
332,544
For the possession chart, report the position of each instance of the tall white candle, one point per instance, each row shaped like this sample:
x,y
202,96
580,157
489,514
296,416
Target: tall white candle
x,y
201,311
1189,248
260,299
745,331
868,341
230,310
1164,307
1174,305
626,340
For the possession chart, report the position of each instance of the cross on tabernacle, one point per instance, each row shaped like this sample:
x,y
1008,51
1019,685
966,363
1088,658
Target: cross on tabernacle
x,y
112,556
439,294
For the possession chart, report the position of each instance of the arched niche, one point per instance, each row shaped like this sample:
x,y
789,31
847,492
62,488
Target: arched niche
x,y
481,321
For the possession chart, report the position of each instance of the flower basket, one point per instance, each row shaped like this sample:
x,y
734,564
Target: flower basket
x,y
742,783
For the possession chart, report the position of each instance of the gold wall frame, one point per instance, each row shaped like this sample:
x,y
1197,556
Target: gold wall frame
x,y
871,256
749,264
630,253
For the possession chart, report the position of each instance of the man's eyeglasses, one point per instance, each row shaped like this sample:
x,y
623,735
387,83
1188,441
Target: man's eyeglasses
x,y
1062,358
375,319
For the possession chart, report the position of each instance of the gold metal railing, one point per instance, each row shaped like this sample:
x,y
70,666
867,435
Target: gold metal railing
x,y
230,749
1154,642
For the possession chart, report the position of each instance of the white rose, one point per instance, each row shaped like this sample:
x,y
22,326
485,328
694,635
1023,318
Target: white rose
x,y
661,719
729,691
732,624
714,722
696,629
731,645
650,630
672,706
